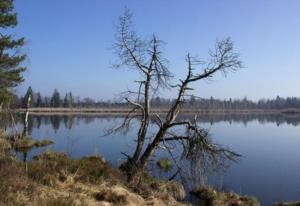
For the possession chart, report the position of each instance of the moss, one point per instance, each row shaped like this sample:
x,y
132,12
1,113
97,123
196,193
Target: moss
x,y
165,164
211,197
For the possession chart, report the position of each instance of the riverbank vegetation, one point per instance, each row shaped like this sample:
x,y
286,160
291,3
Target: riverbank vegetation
x,y
54,179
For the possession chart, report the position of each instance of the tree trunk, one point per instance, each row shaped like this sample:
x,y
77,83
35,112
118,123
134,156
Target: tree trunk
x,y
172,115
151,147
145,122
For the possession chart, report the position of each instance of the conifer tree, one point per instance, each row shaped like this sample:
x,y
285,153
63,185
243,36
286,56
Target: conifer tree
x,y
56,100
28,100
10,57
66,101
39,100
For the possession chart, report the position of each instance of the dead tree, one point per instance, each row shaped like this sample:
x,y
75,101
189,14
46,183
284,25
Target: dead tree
x,y
146,58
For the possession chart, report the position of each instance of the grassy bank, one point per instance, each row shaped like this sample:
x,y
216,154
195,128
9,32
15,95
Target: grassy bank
x,y
55,179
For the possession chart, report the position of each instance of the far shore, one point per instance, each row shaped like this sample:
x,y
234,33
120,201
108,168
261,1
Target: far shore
x,y
124,111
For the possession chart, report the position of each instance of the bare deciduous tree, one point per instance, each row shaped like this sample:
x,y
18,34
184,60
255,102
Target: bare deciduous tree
x,y
146,58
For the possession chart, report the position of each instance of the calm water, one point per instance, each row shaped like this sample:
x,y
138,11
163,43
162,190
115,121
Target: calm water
x,y
270,145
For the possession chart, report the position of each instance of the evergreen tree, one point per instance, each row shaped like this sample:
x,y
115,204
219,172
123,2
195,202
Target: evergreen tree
x,y
26,101
10,57
66,101
56,100
39,101
71,99
47,102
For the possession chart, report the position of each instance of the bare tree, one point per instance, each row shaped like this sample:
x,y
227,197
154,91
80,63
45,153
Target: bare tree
x,y
146,58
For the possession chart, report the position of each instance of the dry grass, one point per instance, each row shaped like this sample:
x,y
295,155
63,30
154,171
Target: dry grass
x,y
211,197
54,179
111,196
4,143
152,189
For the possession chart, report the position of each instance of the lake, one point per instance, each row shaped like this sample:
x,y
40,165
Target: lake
x,y
269,144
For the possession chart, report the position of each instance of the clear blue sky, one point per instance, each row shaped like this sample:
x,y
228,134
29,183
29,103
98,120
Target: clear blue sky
x,y
68,43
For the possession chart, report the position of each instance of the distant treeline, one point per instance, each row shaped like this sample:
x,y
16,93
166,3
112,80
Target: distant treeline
x,y
68,101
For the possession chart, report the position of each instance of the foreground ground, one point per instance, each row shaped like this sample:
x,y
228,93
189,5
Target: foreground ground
x,y
54,179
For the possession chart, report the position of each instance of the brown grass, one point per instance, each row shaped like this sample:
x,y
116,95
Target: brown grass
x,y
54,179
111,196
211,197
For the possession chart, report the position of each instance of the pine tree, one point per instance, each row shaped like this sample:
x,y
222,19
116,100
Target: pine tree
x,y
10,57
39,100
29,94
47,102
56,100
66,100
71,99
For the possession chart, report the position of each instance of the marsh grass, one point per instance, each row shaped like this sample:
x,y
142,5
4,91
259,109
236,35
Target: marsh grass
x,y
53,178
112,197
212,197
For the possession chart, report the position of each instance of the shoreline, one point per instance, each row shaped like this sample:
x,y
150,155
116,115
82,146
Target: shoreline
x,y
124,111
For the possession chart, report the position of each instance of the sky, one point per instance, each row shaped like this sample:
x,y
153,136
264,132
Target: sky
x,y
69,44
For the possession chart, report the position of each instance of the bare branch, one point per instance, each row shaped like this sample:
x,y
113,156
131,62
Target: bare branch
x,y
136,105
223,58
129,47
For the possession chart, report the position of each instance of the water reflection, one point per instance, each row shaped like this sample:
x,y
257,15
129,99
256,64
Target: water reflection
x,y
35,121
